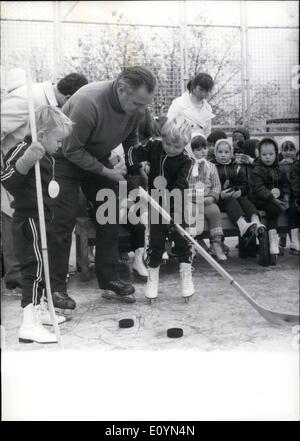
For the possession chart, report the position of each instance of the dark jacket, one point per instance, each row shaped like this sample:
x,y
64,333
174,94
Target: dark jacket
x,y
23,187
263,179
294,178
176,169
235,174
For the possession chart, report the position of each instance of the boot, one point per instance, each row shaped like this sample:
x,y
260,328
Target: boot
x,y
61,300
294,245
32,330
244,226
282,243
273,246
138,266
256,220
152,283
45,317
217,250
186,281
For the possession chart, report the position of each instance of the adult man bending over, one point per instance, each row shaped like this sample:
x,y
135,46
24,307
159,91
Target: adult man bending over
x,y
105,114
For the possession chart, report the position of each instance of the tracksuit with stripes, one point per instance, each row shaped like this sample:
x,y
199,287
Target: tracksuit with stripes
x,y
26,233
176,170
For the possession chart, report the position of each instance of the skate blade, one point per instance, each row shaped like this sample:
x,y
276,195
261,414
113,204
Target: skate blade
x,y
151,302
110,295
26,340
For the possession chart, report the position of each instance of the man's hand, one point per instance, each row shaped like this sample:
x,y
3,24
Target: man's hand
x,y
208,200
33,154
120,167
112,174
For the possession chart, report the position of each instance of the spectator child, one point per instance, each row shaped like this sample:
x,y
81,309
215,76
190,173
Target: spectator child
x,y
206,173
212,138
288,156
170,163
266,189
233,197
18,178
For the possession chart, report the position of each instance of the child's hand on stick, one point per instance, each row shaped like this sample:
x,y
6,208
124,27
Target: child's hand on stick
x,y
33,154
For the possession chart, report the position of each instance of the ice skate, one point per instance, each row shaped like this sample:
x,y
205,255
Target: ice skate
x,y
32,330
62,302
294,245
139,269
151,289
119,290
247,230
186,281
274,246
45,317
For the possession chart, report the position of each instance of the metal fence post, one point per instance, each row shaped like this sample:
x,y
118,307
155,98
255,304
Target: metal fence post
x,y
57,39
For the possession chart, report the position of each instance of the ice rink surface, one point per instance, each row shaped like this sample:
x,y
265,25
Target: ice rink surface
x,y
216,318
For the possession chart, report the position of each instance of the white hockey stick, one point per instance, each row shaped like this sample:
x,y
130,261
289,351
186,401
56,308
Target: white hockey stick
x,y
271,316
41,208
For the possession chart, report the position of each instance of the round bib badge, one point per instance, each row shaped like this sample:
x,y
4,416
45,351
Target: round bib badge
x,y
160,182
53,189
275,192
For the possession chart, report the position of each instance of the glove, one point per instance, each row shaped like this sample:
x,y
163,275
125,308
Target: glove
x,y
33,154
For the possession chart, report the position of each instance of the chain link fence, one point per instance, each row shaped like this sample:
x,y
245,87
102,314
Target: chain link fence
x,y
258,80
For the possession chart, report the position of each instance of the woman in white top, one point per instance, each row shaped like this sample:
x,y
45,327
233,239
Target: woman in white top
x,y
193,106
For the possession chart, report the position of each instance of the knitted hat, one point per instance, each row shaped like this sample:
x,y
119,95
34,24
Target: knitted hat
x,y
291,139
226,141
243,131
215,135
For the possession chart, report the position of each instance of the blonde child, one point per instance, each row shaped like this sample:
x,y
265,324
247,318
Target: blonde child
x,y
169,164
18,178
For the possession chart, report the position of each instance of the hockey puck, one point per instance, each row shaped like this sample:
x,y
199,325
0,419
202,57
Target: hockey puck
x,y
126,323
175,332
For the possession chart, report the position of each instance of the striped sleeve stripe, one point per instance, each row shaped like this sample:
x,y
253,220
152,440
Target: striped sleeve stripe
x,y
7,174
130,160
14,153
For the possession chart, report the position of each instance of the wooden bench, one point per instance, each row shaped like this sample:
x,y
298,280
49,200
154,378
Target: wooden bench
x,y
85,231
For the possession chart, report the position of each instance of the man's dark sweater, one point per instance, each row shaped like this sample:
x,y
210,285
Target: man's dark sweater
x,y
100,125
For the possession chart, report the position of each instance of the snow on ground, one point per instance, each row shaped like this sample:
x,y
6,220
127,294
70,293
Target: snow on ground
x,y
216,318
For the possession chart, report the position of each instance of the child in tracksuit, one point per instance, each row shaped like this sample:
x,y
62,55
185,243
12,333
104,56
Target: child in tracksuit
x,y
18,178
288,154
206,173
234,189
266,189
171,165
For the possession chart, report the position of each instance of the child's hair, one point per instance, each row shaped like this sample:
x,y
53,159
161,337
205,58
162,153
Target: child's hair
x,y
49,118
267,141
177,129
243,131
225,141
214,136
198,142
